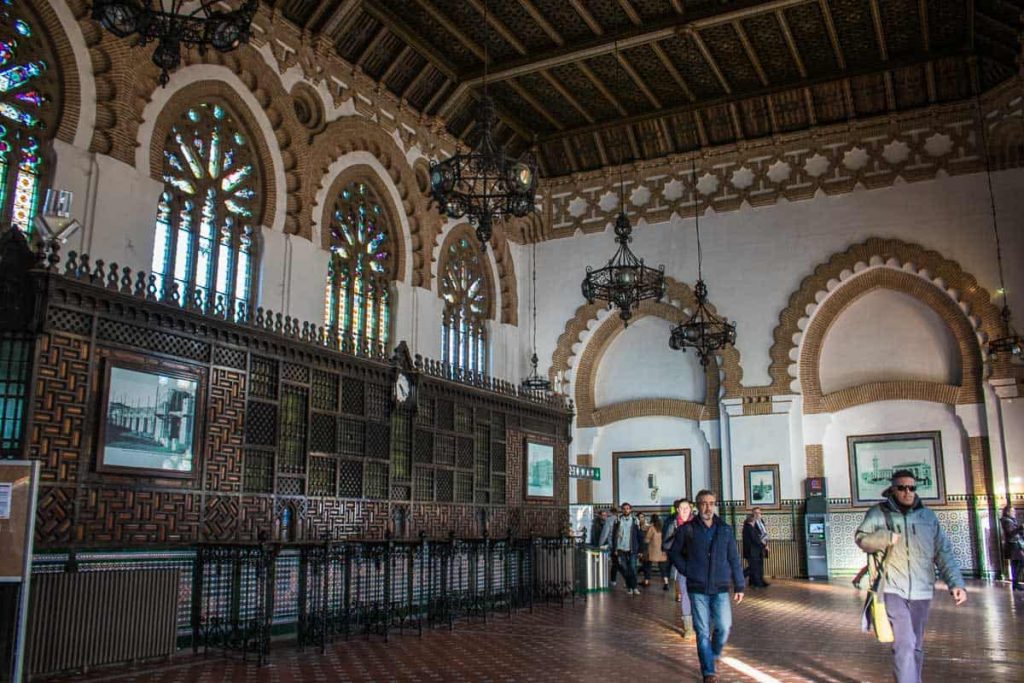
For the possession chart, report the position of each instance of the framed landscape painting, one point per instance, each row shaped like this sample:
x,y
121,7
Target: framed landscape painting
x,y
761,486
149,420
540,471
874,458
651,480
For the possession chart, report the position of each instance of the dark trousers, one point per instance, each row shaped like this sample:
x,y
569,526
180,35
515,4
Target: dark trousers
x,y
627,566
615,567
1016,571
755,568
908,619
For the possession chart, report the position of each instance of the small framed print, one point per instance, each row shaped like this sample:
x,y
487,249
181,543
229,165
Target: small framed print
x,y
539,475
874,458
761,486
651,480
150,417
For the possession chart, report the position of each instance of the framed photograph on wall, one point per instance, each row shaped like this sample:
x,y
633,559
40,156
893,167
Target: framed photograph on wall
x,y
651,480
761,486
149,422
539,475
874,458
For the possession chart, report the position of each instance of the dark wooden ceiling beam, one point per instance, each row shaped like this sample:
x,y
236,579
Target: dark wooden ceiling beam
x,y
780,16
437,94
706,53
602,88
532,101
587,17
677,5
320,11
449,26
631,12
569,97
372,45
603,44
640,83
666,62
833,36
695,107
876,20
416,80
337,24
544,24
409,35
395,63
570,154
751,53
922,12
634,147
601,152
499,26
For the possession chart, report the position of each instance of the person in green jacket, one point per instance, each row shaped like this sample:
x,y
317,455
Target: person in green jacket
x,y
915,546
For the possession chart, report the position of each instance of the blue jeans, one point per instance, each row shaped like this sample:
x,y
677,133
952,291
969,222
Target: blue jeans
x,y
711,612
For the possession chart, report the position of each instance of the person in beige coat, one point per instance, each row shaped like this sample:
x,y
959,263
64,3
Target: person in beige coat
x,y
655,553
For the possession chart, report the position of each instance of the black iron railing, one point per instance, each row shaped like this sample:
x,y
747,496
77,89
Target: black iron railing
x,y
362,588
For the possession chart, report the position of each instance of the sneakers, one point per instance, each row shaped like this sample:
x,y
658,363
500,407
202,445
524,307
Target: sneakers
x,y
664,586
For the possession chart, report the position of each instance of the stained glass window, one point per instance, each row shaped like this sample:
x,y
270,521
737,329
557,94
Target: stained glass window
x,y
358,299
465,294
205,239
27,112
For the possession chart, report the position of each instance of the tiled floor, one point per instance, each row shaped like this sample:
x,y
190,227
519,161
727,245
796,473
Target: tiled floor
x,y
793,631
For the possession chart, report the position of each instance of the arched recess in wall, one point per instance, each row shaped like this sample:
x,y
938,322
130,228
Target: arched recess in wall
x,y
594,340
352,134
933,270
65,70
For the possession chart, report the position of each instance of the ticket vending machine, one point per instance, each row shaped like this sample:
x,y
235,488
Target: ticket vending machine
x,y
816,528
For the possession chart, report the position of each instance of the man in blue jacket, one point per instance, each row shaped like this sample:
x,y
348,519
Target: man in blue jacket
x,y
915,546
704,551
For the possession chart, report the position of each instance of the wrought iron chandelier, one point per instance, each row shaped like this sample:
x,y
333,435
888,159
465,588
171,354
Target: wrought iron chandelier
x,y
175,22
1010,343
484,184
704,331
534,382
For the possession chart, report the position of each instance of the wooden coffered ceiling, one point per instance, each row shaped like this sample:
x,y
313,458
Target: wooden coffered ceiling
x,y
593,83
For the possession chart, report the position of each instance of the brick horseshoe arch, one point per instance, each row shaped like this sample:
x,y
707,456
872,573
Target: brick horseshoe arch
x,y
596,343
930,266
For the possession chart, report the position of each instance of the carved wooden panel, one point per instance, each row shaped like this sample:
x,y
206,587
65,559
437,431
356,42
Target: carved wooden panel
x,y
132,517
59,409
224,429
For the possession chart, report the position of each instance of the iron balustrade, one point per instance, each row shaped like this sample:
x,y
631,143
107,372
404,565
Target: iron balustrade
x,y
351,588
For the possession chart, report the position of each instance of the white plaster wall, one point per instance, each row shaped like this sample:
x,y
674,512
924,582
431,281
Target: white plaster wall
x,y
885,417
639,364
1013,433
887,335
762,440
649,433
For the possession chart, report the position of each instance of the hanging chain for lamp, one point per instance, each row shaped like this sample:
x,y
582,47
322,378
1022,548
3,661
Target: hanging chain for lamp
x,y
1009,343
171,24
534,381
625,282
484,184
704,331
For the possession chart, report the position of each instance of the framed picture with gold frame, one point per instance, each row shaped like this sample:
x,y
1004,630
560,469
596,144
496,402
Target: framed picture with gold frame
x,y
761,486
874,458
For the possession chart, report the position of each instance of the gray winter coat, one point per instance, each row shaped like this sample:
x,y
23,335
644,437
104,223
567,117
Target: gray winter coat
x,y
923,546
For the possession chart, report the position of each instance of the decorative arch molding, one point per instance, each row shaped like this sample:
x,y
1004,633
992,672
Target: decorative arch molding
x,y
501,251
352,134
907,279
369,175
67,66
193,93
595,340
933,269
460,231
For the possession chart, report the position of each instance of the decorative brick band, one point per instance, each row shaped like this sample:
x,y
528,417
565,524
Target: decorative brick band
x,y
979,455
814,454
921,289
649,407
715,475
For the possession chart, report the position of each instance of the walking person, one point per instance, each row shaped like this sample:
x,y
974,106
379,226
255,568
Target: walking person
x,y
683,513
1013,544
605,541
704,551
755,547
655,553
913,545
626,542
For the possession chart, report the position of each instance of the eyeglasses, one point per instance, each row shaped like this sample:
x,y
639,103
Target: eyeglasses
x,y
906,487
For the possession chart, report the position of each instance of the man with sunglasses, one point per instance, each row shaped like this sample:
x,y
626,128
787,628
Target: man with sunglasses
x,y
914,546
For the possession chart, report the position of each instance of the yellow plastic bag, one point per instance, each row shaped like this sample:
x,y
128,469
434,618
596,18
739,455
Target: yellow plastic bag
x,y
879,618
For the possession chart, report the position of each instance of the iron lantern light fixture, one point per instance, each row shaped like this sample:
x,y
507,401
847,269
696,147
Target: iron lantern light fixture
x,y
172,23
484,184
534,382
704,331
625,282
1010,343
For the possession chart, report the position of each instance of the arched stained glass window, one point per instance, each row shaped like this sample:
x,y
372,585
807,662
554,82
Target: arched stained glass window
x,y
205,226
358,299
465,293
28,112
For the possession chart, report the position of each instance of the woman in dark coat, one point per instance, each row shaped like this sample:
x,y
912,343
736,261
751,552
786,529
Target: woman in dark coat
x,y
1013,544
